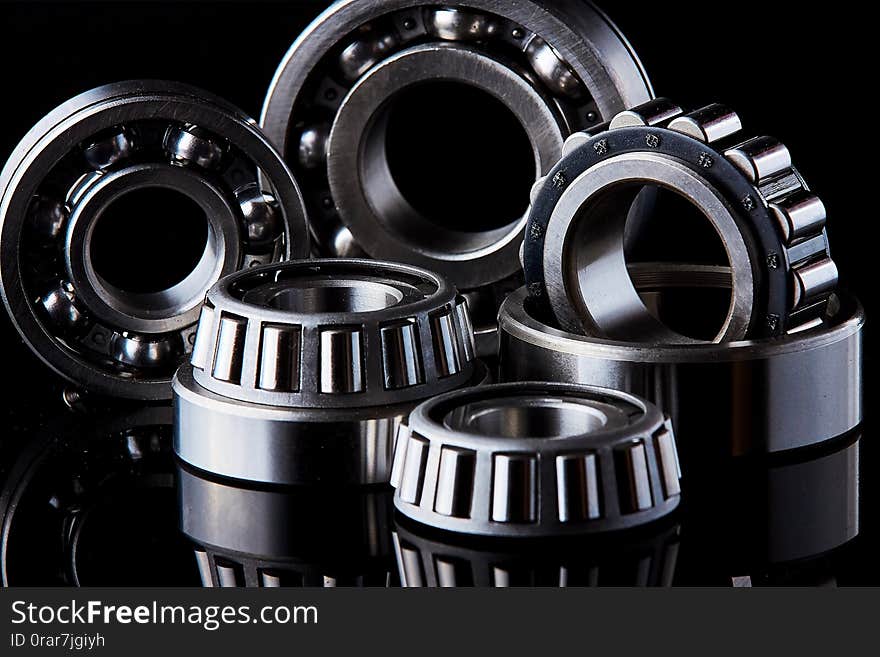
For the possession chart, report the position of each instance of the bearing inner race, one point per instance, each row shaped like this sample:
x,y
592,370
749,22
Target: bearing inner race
x,y
166,309
534,416
589,285
380,214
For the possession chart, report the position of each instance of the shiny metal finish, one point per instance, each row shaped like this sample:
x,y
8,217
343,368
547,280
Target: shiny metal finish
x,y
771,228
548,68
758,396
302,371
113,173
535,459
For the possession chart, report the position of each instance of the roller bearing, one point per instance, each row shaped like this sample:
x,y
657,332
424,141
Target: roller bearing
x,y
752,396
555,67
771,226
317,362
96,314
536,459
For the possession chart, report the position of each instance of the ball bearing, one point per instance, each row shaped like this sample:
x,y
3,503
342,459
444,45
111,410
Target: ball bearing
x,y
771,227
368,107
119,210
313,364
753,396
536,459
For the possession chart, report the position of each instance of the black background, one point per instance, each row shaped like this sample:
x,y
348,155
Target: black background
x,y
802,75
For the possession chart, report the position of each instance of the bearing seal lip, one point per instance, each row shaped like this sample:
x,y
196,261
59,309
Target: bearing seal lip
x,y
91,364
800,390
754,191
604,461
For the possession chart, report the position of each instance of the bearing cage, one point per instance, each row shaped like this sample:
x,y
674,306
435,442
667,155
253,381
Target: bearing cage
x,y
782,301
593,480
111,131
341,379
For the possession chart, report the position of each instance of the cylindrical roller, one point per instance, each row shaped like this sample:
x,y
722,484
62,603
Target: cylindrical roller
x,y
536,459
736,398
737,198
119,210
302,371
421,126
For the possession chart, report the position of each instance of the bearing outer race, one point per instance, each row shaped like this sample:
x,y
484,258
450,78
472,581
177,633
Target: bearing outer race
x,y
576,29
276,445
422,447
757,226
72,122
771,395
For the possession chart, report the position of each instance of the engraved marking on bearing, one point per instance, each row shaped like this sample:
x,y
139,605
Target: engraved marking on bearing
x,y
652,140
706,161
601,147
560,180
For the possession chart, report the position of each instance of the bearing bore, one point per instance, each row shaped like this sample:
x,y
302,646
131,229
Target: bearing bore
x,y
120,209
536,459
302,371
770,226
751,396
399,113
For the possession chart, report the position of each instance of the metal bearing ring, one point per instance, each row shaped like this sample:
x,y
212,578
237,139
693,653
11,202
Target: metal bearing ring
x,y
415,123
771,228
536,459
302,371
120,209
749,396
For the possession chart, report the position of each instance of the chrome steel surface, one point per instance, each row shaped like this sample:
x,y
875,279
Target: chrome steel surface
x,y
303,371
415,123
536,459
753,396
119,210
771,228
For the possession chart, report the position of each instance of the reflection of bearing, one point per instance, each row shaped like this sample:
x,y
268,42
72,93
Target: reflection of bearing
x,y
61,502
302,371
536,459
270,536
753,396
435,559
102,175
356,109
771,227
